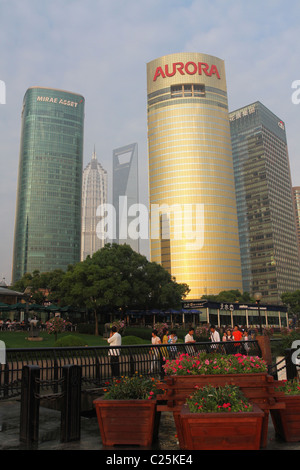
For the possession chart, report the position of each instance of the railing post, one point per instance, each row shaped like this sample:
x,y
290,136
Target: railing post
x,y
29,415
291,369
71,408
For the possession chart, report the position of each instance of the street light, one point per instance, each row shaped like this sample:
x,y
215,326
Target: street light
x,y
257,297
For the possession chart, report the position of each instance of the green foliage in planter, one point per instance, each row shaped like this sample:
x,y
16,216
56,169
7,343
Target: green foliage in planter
x,y
136,387
204,363
69,341
290,387
211,399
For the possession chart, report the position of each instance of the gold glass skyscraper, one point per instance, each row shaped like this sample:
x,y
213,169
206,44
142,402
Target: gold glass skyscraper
x,y
193,215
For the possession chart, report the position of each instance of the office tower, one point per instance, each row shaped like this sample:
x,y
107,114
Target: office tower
x,y
126,194
193,217
269,252
296,202
94,194
48,208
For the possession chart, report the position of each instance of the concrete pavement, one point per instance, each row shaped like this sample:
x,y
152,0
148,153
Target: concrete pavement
x,y
49,432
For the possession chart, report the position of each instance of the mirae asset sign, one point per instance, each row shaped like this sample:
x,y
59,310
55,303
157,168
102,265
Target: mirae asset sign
x,y
49,99
189,68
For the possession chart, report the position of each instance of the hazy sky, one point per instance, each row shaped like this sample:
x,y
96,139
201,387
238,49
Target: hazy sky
x,y
99,48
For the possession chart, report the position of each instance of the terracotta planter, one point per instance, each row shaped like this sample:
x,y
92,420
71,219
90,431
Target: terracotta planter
x,y
287,421
127,422
257,387
221,431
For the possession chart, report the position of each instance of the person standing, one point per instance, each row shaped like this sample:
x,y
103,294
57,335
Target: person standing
x,y
237,336
214,337
114,339
189,339
154,351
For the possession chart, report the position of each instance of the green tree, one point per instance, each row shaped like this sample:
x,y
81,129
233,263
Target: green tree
x,y
116,277
292,301
233,295
41,286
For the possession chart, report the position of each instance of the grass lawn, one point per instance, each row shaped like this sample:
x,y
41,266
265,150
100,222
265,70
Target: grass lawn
x,y
17,339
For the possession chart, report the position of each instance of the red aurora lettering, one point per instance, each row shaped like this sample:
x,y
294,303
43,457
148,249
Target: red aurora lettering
x,y
190,68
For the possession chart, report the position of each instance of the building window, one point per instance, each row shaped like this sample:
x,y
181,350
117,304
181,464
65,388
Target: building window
x,y
190,89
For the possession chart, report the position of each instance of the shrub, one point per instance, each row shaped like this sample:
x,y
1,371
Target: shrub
x,y
69,341
144,333
128,340
286,341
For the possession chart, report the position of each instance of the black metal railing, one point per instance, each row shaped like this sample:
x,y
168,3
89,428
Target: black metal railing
x,y
99,364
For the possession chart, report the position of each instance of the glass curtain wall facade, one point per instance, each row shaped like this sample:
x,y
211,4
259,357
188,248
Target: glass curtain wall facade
x,y
125,193
94,193
269,252
296,201
48,208
193,217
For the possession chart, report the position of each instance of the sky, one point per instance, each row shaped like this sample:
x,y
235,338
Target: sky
x,y
100,49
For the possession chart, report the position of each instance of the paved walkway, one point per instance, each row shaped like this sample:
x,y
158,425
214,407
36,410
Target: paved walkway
x,y
49,432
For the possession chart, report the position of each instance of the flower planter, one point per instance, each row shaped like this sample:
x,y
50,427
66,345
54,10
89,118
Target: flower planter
x,y
286,421
221,431
257,387
127,422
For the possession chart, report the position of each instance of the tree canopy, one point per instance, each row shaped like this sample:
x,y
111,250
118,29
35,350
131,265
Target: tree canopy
x,y
292,301
118,277
113,278
230,296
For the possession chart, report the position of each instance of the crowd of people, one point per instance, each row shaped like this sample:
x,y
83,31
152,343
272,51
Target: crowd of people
x,y
229,334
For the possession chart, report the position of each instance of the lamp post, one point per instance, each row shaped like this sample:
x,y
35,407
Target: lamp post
x,y
257,297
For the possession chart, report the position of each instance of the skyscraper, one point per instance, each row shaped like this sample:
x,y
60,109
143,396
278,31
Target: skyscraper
x,y
296,201
125,193
269,252
48,208
94,193
193,229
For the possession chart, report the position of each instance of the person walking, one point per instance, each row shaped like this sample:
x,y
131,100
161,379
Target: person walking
x,y
114,339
